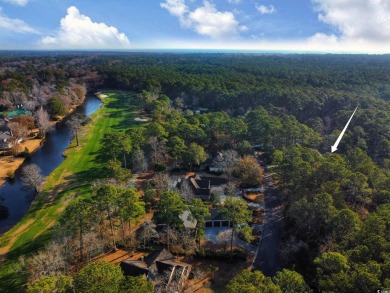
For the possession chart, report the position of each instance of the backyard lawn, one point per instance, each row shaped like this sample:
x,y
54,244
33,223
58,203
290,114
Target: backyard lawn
x,y
72,178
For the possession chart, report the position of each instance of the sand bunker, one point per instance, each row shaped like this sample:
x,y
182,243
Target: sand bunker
x,y
141,119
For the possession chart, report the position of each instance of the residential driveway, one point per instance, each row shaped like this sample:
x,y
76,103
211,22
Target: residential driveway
x,y
212,233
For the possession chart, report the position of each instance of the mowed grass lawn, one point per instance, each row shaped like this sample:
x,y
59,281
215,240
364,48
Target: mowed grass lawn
x,y
73,177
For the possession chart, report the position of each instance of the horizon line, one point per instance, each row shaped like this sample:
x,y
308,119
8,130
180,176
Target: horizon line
x,y
190,50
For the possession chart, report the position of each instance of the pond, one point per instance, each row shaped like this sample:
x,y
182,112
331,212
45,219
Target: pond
x,y
48,157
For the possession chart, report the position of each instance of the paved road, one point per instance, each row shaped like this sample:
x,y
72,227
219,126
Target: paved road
x,y
267,256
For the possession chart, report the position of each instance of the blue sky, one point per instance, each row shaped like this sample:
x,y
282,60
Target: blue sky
x,y
293,25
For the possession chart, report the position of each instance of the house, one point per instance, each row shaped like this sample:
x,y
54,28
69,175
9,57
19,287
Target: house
x,y
204,186
200,187
216,219
159,266
216,185
7,140
214,168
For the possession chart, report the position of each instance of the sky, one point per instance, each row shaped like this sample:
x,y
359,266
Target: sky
x,y
339,26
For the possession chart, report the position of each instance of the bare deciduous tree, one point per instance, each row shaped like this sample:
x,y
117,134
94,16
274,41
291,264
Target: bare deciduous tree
x,y
66,101
26,121
186,191
93,245
169,237
75,124
138,161
169,281
43,121
161,182
69,246
158,151
147,233
230,188
5,100
30,105
228,161
32,177
187,241
100,182
18,130
47,262
79,91
18,98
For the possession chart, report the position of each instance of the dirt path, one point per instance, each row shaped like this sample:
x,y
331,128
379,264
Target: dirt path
x,y
267,258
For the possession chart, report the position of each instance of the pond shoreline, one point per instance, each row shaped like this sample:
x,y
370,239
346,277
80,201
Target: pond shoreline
x,y
33,144
47,155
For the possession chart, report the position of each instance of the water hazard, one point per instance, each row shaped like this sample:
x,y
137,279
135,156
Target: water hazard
x,y
48,157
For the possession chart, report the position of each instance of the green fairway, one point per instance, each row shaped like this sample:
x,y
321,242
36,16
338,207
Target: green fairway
x,y
72,177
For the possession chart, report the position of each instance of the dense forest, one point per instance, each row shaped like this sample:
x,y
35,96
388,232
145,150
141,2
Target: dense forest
x,y
283,111
319,91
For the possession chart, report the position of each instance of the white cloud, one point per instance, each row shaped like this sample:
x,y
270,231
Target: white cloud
x,y
363,21
78,31
321,38
15,24
206,20
17,2
270,9
175,7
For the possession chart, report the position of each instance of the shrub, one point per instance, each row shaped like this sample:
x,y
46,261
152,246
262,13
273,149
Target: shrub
x,y
159,167
26,153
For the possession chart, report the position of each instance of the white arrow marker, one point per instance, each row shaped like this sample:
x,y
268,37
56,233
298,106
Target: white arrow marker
x,y
334,147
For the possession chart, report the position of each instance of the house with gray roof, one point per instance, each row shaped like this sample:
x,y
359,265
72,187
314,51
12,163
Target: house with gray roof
x,y
160,264
204,186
